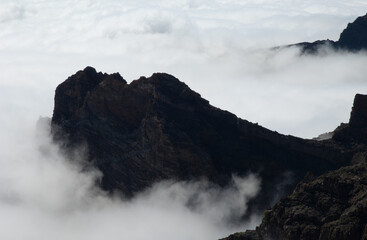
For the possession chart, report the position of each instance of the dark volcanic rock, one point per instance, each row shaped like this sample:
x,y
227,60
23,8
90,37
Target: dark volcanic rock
x,y
358,118
354,134
158,128
353,38
333,206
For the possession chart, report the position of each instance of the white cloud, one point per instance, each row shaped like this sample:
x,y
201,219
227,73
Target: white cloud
x,y
44,196
208,44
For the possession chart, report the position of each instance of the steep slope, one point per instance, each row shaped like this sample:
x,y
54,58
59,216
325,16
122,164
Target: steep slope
x,y
354,37
354,134
332,206
158,128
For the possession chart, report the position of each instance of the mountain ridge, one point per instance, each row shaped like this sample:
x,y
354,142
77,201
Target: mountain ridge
x,y
157,128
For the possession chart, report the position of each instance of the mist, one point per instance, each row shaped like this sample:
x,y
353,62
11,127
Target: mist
x,y
43,195
220,48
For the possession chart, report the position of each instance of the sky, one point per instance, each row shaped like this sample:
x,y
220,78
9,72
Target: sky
x,y
219,48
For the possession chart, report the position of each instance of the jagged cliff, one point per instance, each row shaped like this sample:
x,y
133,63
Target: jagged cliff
x,y
332,206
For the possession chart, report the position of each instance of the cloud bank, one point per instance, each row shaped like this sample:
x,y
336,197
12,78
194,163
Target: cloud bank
x,y
44,196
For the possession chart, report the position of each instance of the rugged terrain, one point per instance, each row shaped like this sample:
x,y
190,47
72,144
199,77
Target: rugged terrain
x,y
158,128
332,206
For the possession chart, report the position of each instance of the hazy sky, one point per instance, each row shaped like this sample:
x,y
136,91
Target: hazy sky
x,y
218,47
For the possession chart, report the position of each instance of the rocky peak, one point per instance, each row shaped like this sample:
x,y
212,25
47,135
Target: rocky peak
x,y
354,134
358,117
70,95
167,88
354,37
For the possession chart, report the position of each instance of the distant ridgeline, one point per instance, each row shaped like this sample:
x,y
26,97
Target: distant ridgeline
x,y
157,128
353,38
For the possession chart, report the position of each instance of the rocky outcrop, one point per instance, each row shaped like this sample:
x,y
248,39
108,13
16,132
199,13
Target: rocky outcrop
x,y
158,128
358,118
353,38
332,206
354,134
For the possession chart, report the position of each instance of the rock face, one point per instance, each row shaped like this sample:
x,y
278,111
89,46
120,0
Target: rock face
x,y
354,135
158,128
358,118
332,206
353,38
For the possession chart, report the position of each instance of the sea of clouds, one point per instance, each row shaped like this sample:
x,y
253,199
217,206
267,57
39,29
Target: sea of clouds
x,y
220,48
45,196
